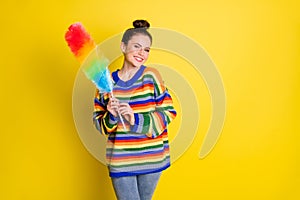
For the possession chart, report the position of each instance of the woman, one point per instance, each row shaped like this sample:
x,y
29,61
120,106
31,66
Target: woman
x,y
139,152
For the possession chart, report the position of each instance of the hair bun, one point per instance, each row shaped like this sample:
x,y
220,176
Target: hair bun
x,y
140,23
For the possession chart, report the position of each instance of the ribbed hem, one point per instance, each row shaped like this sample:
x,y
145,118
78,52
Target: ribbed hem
x,y
121,174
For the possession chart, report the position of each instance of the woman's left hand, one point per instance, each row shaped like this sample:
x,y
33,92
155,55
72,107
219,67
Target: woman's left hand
x,y
126,111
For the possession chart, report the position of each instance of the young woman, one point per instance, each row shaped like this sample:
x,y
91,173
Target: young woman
x,y
138,153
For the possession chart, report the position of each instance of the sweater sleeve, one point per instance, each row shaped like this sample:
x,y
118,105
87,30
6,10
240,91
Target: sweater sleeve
x,y
155,122
103,120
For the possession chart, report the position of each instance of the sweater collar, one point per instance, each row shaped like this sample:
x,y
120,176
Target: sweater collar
x,y
129,82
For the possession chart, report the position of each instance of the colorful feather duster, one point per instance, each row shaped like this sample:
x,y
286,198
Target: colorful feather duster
x,y
94,64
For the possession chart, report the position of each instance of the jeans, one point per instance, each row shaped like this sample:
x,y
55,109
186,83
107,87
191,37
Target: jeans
x,y
140,187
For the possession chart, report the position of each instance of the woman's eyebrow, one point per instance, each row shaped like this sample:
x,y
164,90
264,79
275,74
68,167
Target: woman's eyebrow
x,y
140,45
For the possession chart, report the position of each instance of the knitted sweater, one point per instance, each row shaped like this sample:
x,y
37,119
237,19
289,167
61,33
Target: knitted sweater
x,y
143,147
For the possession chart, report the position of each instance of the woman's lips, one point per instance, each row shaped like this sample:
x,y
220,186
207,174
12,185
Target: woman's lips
x,y
139,59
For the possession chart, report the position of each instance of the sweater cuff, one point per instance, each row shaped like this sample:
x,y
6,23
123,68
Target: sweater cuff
x,y
137,119
141,123
112,119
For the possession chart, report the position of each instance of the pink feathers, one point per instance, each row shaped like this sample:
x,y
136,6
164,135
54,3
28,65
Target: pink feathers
x,y
79,41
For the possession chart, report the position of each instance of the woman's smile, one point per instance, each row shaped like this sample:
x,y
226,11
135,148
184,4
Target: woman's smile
x,y
139,59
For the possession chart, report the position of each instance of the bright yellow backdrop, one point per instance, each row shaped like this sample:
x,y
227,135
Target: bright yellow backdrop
x,y
256,48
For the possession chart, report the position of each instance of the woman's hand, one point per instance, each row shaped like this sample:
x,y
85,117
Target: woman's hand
x,y
113,106
127,112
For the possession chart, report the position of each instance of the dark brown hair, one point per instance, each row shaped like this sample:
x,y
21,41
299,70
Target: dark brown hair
x,y
140,27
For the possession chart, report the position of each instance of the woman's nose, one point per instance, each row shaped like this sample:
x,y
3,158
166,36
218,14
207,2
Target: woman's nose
x,y
141,51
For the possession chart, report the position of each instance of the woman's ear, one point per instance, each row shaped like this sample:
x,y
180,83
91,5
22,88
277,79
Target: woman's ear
x,y
123,47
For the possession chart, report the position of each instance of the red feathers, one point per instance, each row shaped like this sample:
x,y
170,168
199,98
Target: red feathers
x,y
79,41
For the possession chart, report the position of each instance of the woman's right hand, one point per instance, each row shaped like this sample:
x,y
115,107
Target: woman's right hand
x,y
113,106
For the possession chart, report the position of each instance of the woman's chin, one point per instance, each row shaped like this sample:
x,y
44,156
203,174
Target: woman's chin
x,y
137,64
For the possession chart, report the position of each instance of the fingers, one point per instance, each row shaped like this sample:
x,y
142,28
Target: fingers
x,y
114,103
124,108
114,100
124,105
114,106
126,111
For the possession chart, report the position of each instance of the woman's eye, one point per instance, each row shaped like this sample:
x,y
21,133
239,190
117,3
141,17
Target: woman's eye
x,y
147,50
136,46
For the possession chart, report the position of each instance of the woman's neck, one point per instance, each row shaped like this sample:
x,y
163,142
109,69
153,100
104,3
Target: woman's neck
x,y
127,72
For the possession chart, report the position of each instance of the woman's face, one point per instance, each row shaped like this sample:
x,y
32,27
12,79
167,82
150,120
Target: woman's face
x,y
137,50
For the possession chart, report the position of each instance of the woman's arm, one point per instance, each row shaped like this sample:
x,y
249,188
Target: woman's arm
x,y
103,120
154,123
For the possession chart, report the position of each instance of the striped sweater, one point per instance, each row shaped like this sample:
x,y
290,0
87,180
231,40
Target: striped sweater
x,y
143,147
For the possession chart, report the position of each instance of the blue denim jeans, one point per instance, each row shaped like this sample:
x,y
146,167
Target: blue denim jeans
x,y
140,187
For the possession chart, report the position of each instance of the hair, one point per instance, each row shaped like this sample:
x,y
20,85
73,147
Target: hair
x,y
140,27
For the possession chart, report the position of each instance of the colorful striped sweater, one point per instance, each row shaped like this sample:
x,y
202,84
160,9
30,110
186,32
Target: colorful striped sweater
x,y
143,147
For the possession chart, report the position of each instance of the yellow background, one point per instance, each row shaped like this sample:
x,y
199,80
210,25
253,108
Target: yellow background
x,y
255,46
